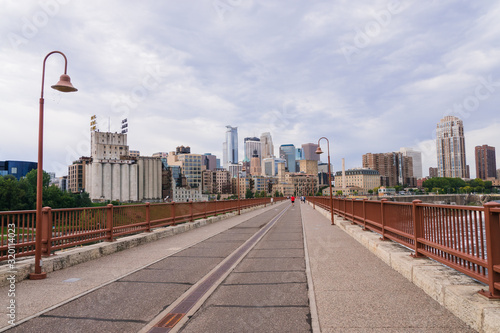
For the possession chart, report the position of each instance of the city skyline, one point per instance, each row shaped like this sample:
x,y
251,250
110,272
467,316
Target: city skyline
x,y
369,76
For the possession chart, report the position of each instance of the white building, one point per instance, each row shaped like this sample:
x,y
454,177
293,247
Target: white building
x,y
417,160
270,166
267,147
250,146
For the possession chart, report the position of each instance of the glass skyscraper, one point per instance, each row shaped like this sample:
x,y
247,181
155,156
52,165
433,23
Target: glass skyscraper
x,y
287,152
230,147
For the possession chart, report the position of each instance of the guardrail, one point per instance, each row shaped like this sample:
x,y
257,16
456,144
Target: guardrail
x,y
465,238
65,228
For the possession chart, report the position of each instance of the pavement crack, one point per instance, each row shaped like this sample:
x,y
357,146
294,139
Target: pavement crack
x,y
262,284
156,282
257,306
96,319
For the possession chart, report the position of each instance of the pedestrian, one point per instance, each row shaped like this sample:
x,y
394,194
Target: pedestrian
x,y
293,199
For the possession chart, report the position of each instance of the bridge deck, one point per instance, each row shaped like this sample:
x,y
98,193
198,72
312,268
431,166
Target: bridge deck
x,y
264,290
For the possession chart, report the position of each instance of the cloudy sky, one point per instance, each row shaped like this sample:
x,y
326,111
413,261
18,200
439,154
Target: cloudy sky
x,y
372,76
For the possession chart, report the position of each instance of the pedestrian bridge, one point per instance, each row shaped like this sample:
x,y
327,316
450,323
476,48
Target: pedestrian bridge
x,y
281,268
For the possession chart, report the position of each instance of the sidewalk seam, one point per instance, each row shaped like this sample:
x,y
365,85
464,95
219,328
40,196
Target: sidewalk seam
x,y
315,324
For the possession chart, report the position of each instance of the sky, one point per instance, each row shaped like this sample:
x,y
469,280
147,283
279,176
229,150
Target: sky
x,y
371,76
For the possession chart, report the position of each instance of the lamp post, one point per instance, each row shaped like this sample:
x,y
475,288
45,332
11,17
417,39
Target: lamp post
x,y
319,151
63,85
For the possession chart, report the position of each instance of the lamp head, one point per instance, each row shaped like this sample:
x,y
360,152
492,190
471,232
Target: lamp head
x,y
319,151
64,84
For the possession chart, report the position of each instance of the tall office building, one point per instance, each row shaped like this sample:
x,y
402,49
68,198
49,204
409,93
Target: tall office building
x,y
230,147
309,151
210,161
267,147
77,174
450,144
486,164
394,168
250,145
417,161
287,152
255,165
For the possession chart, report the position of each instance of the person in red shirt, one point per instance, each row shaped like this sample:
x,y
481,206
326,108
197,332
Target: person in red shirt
x,y
293,199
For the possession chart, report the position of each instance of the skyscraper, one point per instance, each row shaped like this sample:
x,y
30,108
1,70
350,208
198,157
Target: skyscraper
x,y
486,164
287,152
230,147
250,145
450,144
417,160
267,147
309,151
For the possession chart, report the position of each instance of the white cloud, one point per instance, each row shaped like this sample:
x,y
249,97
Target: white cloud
x,y
181,73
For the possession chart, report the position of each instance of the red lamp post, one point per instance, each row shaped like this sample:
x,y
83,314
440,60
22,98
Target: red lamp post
x,y
63,85
319,151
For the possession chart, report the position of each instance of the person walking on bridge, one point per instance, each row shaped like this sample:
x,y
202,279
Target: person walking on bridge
x,y
293,199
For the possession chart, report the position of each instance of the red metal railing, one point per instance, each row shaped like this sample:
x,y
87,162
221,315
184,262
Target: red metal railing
x,y
65,228
464,238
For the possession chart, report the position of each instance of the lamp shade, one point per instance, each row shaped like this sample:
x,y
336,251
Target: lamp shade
x,y
319,151
64,84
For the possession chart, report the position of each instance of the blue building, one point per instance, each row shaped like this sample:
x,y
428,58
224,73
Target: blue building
x,y
18,169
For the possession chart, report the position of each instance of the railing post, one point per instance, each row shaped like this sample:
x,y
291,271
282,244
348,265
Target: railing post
x,y
46,231
345,211
382,218
492,226
364,213
173,213
148,217
109,222
352,212
418,226
191,211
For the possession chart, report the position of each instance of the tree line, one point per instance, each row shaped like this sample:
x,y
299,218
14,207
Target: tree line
x,y
21,194
444,185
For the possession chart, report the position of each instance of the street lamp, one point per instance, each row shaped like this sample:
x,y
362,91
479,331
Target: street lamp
x,y
319,151
63,85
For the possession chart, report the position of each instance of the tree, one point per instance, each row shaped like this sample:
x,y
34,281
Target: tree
x,y
21,195
249,194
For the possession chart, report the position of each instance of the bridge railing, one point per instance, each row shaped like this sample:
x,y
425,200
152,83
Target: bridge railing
x,y
65,228
464,238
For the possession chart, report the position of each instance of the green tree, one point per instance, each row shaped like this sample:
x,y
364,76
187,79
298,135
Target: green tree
x,y
249,194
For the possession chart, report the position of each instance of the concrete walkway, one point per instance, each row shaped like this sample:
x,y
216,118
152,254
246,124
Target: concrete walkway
x,y
350,289
355,291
